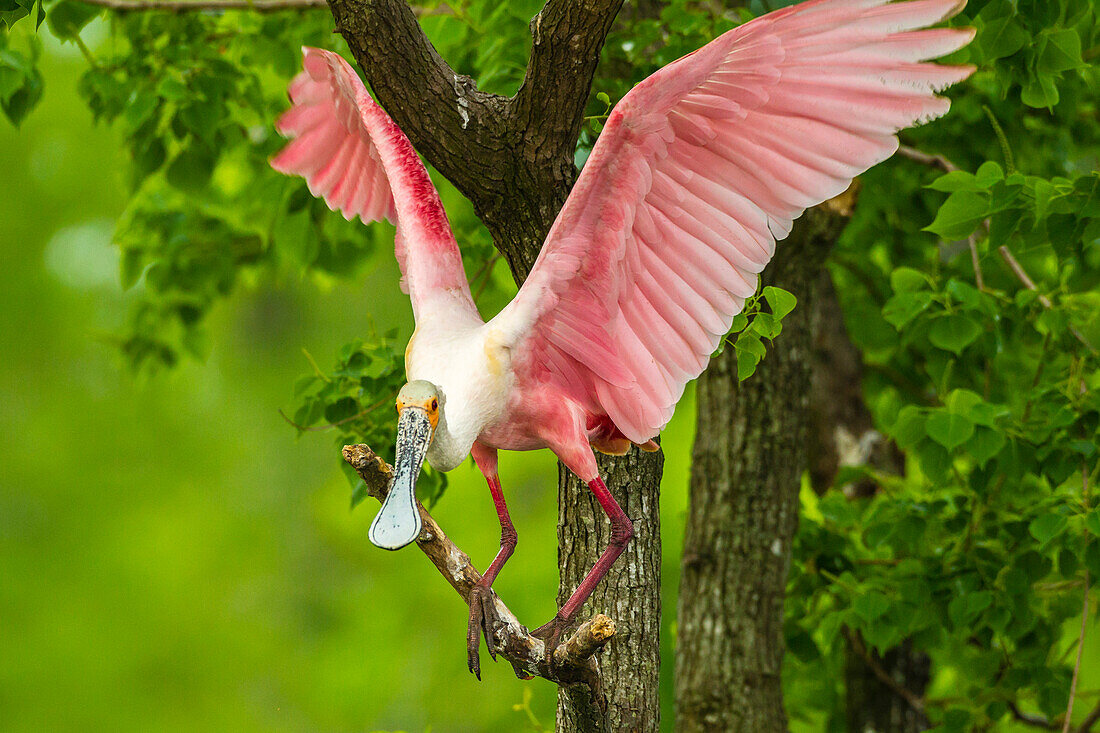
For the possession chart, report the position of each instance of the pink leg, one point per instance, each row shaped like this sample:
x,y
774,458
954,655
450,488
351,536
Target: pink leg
x,y
482,609
582,462
621,532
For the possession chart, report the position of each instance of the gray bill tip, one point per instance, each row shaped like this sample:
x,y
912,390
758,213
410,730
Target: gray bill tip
x,y
396,525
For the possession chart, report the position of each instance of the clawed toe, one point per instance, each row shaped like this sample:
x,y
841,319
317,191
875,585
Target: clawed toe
x,y
550,632
483,618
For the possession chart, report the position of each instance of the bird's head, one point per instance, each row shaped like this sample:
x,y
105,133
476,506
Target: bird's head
x,y
419,404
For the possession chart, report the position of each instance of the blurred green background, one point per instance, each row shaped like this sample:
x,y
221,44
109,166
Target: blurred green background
x,y
172,555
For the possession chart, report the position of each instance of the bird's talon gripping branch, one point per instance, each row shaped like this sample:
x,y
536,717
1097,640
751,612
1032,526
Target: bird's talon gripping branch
x,y
483,622
550,633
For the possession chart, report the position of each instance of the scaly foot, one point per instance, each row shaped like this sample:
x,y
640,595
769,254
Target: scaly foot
x,y
483,620
550,633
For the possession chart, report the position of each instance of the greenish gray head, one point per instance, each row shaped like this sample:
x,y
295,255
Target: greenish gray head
x,y
398,521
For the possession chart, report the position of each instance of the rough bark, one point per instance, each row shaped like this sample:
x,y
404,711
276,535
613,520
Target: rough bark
x,y
513,158
842,434
631,661
750,451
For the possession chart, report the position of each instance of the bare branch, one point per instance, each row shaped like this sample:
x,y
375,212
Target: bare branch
x,y
935,160
456,126
915,701
1084,613
574,659
1090,720
1027,282
566,38
1035,721
191,6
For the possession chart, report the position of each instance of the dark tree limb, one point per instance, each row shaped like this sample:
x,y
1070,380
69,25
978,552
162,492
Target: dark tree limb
x,y
448,119
191,6
574,659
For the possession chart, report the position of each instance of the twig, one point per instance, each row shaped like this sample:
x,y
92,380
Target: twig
x,y
1090,720
915,701
574,658
256,6
1025,279
1080,651
486,271
318,428
1021,274
1036,721
936,160
1084,613
188,6
939,161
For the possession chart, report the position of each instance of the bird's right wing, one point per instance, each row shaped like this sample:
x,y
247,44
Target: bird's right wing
x,y
359,161
697,173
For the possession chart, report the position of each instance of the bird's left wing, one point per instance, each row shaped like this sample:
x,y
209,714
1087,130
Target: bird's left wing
x,y
697,173
359,161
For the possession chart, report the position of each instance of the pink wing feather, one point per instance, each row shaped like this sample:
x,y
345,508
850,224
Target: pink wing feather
x,y
699,170
355,157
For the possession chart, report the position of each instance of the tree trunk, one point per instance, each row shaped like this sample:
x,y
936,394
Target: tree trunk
x,y
750,451
843,434
513,158
630,593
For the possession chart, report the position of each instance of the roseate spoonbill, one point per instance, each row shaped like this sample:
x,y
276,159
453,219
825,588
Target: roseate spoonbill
x,y
697,173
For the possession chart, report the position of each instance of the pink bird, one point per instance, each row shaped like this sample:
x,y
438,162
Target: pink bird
x,y
699,170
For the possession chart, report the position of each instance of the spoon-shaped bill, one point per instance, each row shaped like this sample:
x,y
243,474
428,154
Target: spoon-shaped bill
x,y
398,521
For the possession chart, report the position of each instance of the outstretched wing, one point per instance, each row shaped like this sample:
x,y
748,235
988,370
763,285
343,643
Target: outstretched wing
x,y
355,157
699,170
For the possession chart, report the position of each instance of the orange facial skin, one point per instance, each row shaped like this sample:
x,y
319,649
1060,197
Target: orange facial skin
x,y
430,406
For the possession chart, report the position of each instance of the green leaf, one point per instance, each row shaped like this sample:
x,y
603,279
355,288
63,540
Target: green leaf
x,y
985,444
358,493
1002,37
960,215
746,364
871,605
988,173
1039,92
67,17
21,84
909,429
905,306
1092,522
1061,51
766,325
906,279
191,169
780,301
966,608
1047,527
949,429
954,332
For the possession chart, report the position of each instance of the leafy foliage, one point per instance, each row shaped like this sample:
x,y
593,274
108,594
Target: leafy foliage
x,y
980,552
355,400
753,325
